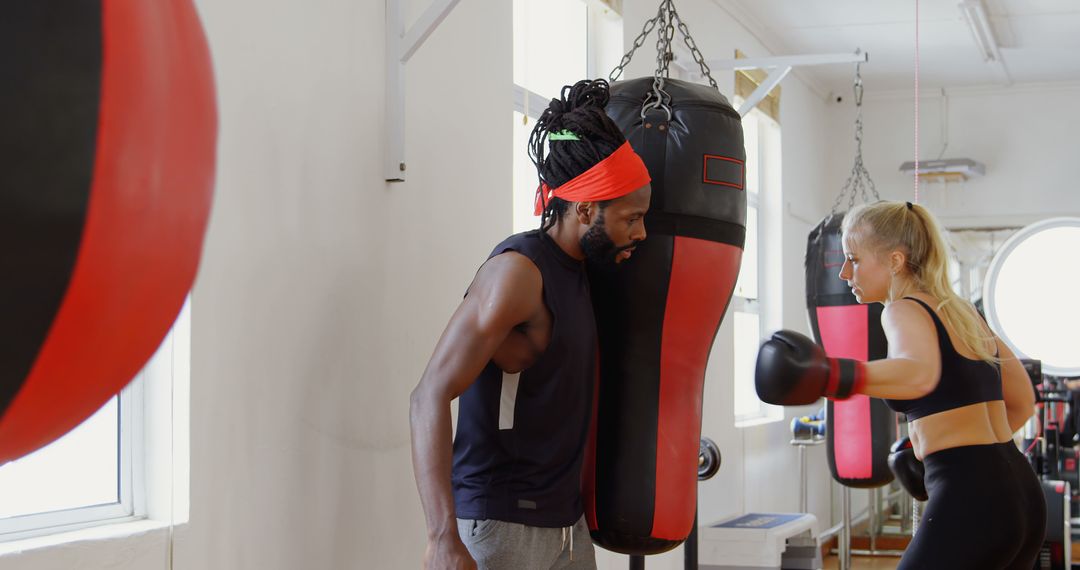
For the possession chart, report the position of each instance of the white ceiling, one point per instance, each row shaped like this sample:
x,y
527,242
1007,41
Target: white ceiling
x,y
1039,40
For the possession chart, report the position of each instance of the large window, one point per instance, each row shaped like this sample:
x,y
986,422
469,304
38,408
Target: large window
x,y
96,473
761,137
1031,294
556,43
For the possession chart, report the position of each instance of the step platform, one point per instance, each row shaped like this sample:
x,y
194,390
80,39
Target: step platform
x,y
755,541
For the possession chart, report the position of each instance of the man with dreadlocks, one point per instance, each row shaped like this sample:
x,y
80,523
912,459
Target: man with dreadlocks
x,y
520,351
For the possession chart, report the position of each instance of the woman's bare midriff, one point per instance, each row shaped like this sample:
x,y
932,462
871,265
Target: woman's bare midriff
x,y
978,424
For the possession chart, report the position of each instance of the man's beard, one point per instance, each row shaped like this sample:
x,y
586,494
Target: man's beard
x,y
600,251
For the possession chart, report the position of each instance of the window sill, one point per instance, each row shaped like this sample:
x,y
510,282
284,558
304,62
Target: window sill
x,y
754,421
108,531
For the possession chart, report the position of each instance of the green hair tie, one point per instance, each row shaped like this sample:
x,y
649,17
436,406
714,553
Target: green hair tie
x,y
563,135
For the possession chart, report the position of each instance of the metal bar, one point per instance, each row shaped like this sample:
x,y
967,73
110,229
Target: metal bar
x,y
537,103
845,534
394,106
872,524
424,26
874,553
400,46
906,515
789,60
802,478
775,77
690,548
835,529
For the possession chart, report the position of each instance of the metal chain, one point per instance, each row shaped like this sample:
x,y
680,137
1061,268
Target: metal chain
x,y
659,98
638,42
668,19
663,42
694,51
859,181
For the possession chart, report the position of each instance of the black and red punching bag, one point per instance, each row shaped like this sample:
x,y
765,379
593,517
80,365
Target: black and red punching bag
x,y
859,429
106,164
657,315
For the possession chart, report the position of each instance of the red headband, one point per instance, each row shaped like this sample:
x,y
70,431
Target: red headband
x,y
619,174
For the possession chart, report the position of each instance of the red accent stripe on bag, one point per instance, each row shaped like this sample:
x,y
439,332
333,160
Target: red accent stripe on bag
x,y
741,181
844,333
702,279
150,199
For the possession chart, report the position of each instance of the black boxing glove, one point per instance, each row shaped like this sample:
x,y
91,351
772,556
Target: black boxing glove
x,y
907,468
792,370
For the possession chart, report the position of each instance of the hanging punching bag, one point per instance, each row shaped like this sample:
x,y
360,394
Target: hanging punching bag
x,y
859,429
658,313
107,167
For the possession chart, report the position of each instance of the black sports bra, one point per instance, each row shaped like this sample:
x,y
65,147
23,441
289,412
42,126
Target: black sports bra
x,y
963,381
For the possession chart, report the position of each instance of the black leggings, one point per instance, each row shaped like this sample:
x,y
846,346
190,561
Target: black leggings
x,y
986,511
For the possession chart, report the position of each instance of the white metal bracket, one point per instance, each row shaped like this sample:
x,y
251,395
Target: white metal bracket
x,y
401,45
779,67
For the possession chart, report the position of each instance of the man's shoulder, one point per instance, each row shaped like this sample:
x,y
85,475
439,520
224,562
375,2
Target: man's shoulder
x,y
510,261
523,242
508,283
513,259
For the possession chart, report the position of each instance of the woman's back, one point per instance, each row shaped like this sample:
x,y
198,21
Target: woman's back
x,y
973,424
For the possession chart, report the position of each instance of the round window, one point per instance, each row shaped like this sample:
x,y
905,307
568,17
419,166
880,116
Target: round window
x,y
1031,294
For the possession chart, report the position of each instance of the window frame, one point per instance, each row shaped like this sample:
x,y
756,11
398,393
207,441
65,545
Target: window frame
x,y
154,410
131,482
991,285
531,103
763,412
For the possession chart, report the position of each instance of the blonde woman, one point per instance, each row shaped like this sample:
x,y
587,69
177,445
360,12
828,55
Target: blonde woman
x,y
963,391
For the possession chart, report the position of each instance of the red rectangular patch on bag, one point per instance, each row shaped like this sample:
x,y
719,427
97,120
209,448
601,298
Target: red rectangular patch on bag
x,y
724,171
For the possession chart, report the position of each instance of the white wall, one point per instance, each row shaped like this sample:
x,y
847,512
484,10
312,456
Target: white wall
x,y
322,289
1025,135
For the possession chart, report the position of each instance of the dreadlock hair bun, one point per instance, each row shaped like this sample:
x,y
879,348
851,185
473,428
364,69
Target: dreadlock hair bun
x,y
580,110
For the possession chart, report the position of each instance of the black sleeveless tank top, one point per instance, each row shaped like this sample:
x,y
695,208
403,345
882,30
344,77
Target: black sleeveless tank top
x,y
963,381
521,437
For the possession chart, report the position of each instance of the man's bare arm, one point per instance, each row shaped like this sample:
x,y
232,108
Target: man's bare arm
x,y
506,292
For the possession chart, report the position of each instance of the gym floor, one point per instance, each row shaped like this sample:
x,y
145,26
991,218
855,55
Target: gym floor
x,y
863,563
889,563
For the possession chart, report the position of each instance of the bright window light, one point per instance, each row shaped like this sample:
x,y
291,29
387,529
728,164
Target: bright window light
x,y
1030,297
525,180
550,44
747,341
80,469
761,139
556,43
747,283
751,127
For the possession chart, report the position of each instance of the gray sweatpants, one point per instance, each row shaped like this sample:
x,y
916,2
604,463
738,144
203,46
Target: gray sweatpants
x,y
500,545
